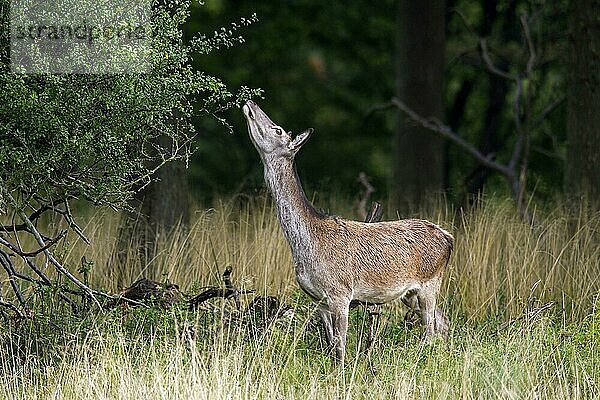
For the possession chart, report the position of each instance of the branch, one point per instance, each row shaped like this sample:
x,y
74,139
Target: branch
x,y
46,281
363,180
376,108
518,127
464,19
144,179
531,48
446,132
12,307
66,214
490,65
23,227
508,171
34,253
8,267
73,225
11,270
89,292
212,291
546,111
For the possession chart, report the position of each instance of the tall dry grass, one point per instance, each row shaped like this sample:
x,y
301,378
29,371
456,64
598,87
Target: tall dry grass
x,y
502,265
499,265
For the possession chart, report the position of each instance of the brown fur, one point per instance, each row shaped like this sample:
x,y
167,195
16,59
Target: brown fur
x,y
378,252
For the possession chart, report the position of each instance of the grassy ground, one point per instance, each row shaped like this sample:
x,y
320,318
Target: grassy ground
x,y
501,270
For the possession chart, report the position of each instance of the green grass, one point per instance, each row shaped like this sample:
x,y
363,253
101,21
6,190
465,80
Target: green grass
x,y
500,269
119,356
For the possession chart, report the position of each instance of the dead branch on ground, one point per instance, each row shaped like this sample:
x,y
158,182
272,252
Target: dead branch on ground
x,y
226,292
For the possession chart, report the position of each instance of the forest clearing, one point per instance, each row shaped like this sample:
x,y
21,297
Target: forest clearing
x,y
300,199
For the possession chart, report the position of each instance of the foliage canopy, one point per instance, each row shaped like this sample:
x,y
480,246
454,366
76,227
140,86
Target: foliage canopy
x,y
99,137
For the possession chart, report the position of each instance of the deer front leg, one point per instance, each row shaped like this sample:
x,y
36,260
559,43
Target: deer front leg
x,y
327,324
412,302
339,313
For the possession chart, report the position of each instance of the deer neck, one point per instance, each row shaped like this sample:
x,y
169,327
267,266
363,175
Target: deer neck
x,y
295,212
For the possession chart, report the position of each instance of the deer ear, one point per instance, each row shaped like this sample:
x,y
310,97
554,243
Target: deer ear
x,y
300,140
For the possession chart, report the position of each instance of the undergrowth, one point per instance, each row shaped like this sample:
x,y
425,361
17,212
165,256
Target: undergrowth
x,y
503,342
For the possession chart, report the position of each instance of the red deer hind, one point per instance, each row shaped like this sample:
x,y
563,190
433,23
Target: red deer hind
x,y
339,261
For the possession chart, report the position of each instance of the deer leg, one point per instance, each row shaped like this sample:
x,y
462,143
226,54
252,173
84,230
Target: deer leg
x,y
327,324
442,323
434,319
374,313
412,302
427,300
340,329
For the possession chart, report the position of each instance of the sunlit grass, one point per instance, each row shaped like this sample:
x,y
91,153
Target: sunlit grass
x,y
499,268
109,362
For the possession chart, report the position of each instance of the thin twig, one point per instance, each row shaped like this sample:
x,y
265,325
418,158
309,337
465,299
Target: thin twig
x,y
23,227
445,131
73,225
47,253
363,180
38,271
528,315
516,155
212,292
21,253
5,261
66,214
546,111
13,270
485,55
464,20
12,307
531,48
376,108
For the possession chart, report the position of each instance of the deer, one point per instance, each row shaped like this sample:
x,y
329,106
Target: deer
x,y
340,263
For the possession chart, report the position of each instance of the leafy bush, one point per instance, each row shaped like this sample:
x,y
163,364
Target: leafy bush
x,y
97,137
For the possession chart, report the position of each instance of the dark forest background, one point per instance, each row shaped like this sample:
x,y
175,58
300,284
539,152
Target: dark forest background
x,y
335,66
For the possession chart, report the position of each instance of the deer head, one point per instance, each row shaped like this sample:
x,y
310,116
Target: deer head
x,y
270,139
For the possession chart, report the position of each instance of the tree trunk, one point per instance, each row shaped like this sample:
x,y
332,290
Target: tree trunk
x,y
166,201
583,108
420,156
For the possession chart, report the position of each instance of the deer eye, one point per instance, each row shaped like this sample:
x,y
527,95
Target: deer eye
x,y
278,130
